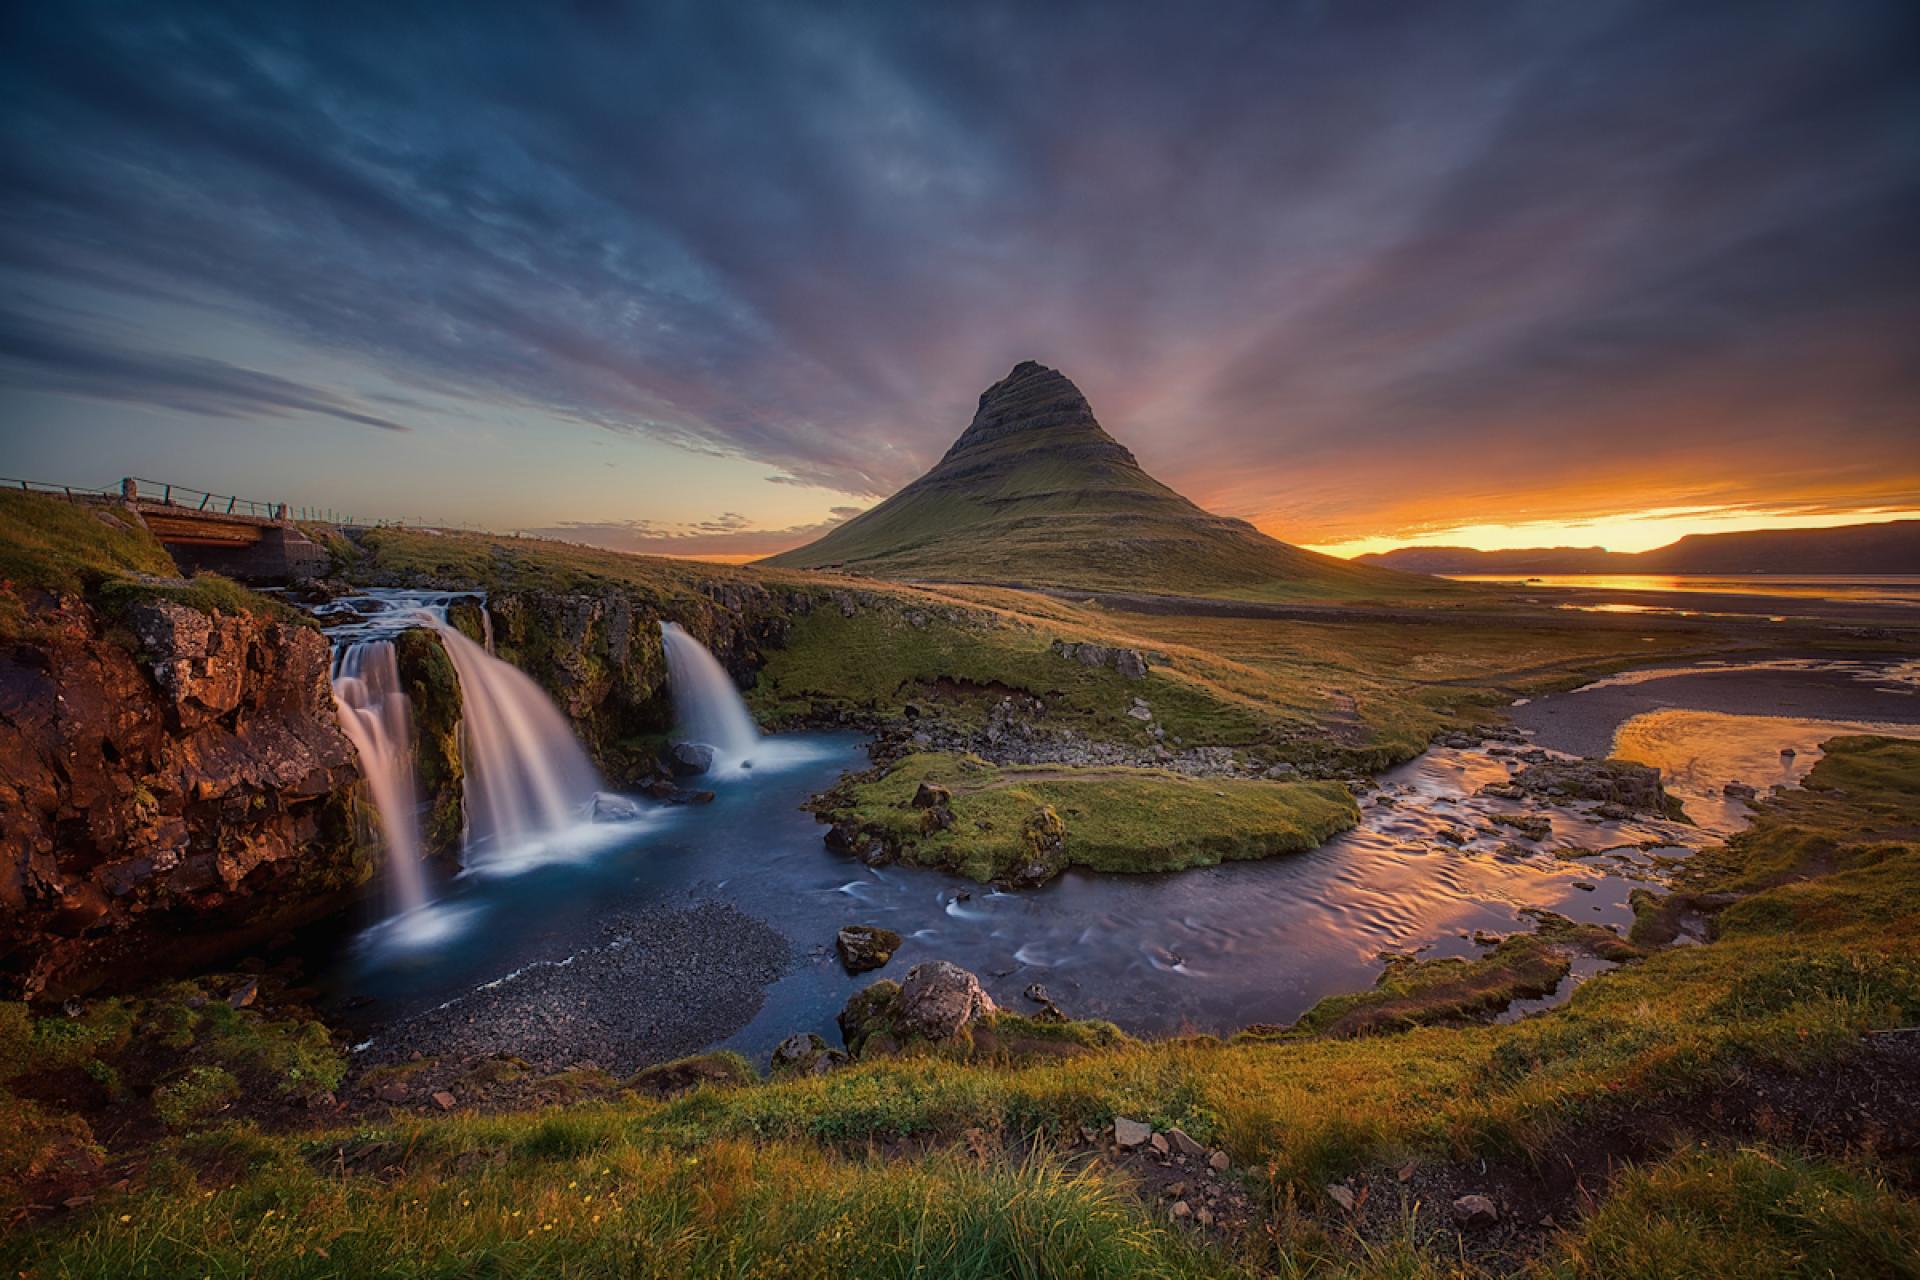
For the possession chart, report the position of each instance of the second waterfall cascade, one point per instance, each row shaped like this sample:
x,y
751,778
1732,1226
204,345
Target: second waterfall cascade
x,y
708,707
527,774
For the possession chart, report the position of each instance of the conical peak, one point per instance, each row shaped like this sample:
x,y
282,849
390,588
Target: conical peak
x,y
1032,397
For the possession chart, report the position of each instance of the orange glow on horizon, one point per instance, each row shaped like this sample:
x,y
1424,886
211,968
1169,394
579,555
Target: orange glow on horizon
x,y
1634,531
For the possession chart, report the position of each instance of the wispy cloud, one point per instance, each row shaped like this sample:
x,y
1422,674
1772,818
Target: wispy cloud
x,y
40,358
1318,264
730,535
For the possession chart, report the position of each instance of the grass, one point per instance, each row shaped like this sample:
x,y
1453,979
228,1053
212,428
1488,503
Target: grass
x,y
1032,822
103,553
1752,1212
765,1177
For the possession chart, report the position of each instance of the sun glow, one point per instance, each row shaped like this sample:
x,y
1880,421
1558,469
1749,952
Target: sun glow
x,y
1635,531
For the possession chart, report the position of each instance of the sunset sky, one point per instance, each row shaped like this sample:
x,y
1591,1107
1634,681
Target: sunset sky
x,y
705,278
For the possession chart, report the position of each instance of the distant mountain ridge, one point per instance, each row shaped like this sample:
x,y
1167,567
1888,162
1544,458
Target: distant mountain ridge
x,y
1888,548
1035,492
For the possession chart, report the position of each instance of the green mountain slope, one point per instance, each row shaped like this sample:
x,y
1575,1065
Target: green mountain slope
x,y
1035,492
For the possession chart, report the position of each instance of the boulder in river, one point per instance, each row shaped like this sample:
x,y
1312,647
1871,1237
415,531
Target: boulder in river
x,y
692,757
608,807
864,947
1621,782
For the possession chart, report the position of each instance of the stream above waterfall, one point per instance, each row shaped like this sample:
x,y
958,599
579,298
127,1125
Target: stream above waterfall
x,y
732,906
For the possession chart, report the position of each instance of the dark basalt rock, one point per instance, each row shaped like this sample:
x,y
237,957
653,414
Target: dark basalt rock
x,y
690,758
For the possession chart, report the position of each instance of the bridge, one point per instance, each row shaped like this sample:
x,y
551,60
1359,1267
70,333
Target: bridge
x,y
248,540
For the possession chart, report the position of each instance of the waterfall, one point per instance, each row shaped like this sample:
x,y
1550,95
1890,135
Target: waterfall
x,y
709,709
377,716
527,775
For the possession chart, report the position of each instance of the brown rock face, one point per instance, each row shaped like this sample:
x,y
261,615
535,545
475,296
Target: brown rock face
x,y
165,799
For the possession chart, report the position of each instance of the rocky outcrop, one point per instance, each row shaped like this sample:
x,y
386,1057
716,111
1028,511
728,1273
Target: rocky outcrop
x,y
865,947
1617,784
439,770
805,1054
1130,663
173,785
938,1005
600,656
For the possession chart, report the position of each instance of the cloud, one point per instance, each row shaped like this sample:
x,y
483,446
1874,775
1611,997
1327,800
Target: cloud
x,y
1326,266
46,360
729,536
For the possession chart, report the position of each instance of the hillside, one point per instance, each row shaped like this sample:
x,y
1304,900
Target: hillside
x,y
1888,548
1035,492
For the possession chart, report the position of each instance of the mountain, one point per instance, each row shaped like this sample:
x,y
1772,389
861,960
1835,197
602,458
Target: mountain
x,y
1888,548
1036,492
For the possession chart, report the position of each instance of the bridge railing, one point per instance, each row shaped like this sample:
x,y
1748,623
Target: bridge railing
x,y
139,489
71,492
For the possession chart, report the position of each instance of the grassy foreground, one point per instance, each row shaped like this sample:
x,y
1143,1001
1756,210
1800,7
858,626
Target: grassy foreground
x,y
924,1165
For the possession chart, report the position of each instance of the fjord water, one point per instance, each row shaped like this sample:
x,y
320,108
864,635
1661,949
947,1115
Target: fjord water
x,y
707,707
377,715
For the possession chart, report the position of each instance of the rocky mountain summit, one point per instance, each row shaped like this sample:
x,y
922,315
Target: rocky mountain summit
x,y
1035,492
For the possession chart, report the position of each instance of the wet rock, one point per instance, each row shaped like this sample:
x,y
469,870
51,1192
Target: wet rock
x,y
1474,1211
1738,791
805,1054
1533,826
1131,1135
864,947
691,758
608,807
1635,787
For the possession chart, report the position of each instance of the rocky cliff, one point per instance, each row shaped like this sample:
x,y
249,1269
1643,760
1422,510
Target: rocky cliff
x,y
173,786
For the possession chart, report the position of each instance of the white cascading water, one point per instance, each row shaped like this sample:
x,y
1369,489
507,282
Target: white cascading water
x,y
707,706
377,716
527,776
